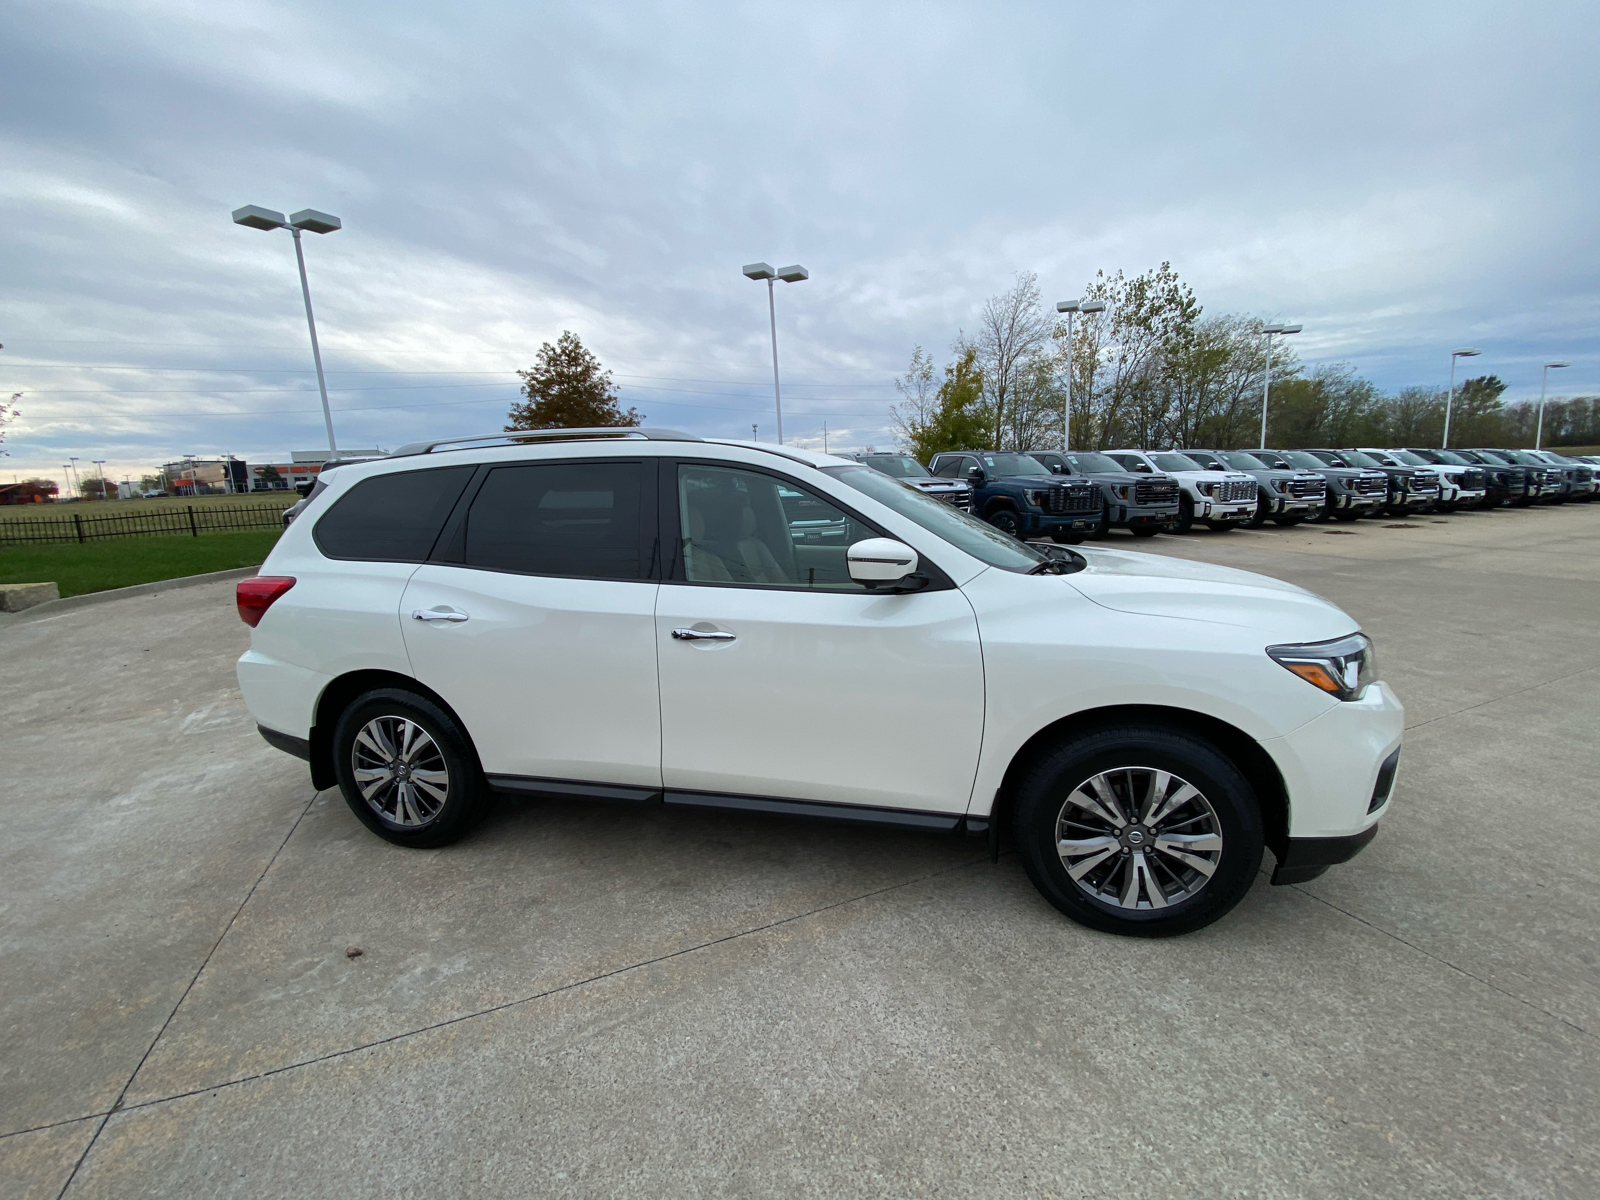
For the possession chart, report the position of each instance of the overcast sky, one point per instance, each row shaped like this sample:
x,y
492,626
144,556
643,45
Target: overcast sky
x,y
1402,178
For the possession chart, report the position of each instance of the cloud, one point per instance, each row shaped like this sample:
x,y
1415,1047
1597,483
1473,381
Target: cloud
x,y
1399,178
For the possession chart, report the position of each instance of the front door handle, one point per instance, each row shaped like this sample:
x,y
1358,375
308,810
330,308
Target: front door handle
x,y
430,614
702,635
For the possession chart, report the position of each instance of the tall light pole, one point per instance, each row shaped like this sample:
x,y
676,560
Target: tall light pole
x,y
1450,396
793,274
1266,373
307,219
101,463
1071,308
1538,438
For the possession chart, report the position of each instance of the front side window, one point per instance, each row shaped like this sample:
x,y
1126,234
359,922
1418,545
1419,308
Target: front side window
x,y
978,538
580,520
744,527
953,466
391,518
1175,462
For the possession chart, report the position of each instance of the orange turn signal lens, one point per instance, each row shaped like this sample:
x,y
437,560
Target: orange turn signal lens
x,y
1317,674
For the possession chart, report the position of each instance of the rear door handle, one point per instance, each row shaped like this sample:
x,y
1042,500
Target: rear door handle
x,y
429,614
702,635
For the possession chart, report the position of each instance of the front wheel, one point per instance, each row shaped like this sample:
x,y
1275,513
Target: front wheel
x,y
1065,537
1287,522
1007,520
1221,526
1138,830
1345,514
1144,530
407,770
1258,518
1185,521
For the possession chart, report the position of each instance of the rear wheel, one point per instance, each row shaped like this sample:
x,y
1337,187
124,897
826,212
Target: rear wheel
x,y
407,770
1145,831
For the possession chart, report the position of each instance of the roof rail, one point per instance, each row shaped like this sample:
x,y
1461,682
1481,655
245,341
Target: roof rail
x,y
515,436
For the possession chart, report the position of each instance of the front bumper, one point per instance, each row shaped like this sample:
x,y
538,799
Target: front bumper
x,y
1331,767
1127,515
1233,510
1068,522
1358,501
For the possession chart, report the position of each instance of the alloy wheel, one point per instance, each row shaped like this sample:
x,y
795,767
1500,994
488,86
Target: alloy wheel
x,y
1138,838
400,771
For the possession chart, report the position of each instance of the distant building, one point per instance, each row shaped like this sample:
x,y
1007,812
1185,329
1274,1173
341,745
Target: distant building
x,y
302,469
206,476
29,491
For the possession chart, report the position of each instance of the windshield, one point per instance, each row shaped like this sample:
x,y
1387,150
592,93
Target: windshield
x,y
1450,457
1526,459
1175,462
979,539
898,465
1240,461
1357,459
1012,464
1379,457
1494,456
1410,459
1094,464
1303,460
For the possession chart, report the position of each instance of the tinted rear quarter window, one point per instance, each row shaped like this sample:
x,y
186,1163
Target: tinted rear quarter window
x,y
391,518
579,520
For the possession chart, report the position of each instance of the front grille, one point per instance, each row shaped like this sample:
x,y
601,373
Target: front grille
x,y
1370,487
1155,491
1307,489
1070,498
1422,483
1233,490
1584,475
961,499
1472,481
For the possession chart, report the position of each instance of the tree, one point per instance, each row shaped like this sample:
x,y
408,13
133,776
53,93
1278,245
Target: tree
x,y
1477,416
917,398
270,476
955,418
8,413
95,488
1013,332
567,388
150,483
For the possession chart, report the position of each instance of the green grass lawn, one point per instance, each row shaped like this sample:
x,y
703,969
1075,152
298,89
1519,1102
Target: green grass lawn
x,y
122,562
276,501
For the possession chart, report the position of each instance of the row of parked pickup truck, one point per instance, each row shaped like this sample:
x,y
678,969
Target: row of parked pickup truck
x,y
1069,495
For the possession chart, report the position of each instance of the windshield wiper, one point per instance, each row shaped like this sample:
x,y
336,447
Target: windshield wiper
x,y
1050,566
1058,561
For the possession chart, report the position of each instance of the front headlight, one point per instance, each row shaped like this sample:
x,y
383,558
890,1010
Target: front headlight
x,y
1123,490
1342,667
1204,488
1035,498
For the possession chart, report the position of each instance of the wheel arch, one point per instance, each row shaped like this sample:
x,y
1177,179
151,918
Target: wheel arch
x,y
337,696
1254,763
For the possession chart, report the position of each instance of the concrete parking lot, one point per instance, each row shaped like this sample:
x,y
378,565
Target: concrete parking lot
x,y
587,1001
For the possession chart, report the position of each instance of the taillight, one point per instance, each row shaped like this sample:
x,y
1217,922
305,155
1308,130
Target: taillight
x,y
256,595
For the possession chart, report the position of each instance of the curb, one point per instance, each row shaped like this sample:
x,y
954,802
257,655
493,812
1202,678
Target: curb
x,y
52,608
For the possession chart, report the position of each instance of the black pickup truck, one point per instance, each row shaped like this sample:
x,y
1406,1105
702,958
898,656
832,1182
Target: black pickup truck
x,y
1018,495
903,467
1142,504
1351,492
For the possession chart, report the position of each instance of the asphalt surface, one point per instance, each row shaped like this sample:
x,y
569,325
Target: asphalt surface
x,y
588,1001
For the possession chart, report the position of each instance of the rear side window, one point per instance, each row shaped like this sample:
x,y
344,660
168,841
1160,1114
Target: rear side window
x,y
391,518
574,519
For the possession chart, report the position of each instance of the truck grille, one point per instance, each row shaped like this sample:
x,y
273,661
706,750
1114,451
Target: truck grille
x,y
1233,490
1422,483
1370,487
1583,474
1065,498
1155,491
1307,489
1472,481
961,499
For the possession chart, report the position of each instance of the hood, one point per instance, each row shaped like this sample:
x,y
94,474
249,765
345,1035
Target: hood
x,y
1121,477
930,482
1158,586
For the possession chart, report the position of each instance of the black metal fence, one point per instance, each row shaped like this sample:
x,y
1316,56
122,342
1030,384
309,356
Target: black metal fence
x,y
166,522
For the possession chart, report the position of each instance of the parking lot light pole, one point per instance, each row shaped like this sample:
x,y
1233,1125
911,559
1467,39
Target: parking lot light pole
x,y
252,216
791,274
101,463
1072,308
1538,437
1450,396
1266,374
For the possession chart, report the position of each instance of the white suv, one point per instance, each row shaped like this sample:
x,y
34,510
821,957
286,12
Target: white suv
x,y
641,616
1222,499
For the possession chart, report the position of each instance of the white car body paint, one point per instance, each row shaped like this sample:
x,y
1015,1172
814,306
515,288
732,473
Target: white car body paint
x,y
1197,487
915,701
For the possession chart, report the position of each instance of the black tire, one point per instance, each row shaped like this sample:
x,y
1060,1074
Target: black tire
x,y
1287,522
1041,803
1222,526
1006,520
1064,537
1258,518
1346,515
466,795
1144,530
1185,521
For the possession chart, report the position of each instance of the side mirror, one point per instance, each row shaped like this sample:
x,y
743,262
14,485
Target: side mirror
x,y
975,474
878,561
